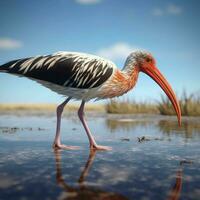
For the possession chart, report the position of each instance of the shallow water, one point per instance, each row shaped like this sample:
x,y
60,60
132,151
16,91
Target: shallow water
x,y
152,158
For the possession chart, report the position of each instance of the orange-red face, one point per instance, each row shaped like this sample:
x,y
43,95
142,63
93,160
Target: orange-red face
x,y
147,61
146,64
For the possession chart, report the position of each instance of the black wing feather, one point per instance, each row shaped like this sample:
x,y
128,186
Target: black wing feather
x,y
67,70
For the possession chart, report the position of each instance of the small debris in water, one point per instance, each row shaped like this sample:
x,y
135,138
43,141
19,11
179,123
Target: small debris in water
x,y
41,129
125,139
186,162
142,139
12,130
9,129
160,139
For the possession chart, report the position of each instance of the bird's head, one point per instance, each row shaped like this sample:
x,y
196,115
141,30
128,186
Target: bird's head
x,y
145,62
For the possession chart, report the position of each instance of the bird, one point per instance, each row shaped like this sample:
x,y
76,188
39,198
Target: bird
x,y
83,76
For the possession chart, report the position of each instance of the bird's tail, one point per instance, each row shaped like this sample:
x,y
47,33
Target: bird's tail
x,y
7,67
4,68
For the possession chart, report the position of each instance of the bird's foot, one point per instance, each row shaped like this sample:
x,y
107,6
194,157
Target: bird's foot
x,y
100,147
65,147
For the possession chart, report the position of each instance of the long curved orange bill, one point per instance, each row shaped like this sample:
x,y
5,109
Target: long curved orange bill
x,y
156,75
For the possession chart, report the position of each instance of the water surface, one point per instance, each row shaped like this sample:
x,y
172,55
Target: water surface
x,y
152,158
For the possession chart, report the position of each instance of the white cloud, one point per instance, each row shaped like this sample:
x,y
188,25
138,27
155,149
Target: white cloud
x,y
117,51
108,175
174,9
171,9
8,44
157,12
88,1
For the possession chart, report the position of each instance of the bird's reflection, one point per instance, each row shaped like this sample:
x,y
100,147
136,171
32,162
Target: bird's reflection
x,y
83,191
176,189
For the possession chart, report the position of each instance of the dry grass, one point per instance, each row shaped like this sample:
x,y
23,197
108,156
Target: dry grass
x,y
45,108
129,107
190,105
23,107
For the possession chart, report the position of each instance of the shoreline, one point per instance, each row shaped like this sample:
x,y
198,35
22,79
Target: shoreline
x,y
91,110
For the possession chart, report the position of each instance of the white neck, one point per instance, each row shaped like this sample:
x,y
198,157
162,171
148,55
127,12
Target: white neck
x,y
129,65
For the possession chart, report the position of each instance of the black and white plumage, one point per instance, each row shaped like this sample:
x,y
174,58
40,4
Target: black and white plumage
x,y
83,76
67,73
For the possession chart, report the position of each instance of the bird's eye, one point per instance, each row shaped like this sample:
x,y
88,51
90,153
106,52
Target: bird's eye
x,y
148,59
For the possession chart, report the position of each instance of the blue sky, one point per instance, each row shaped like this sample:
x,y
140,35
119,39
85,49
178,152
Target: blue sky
x,y
109,28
